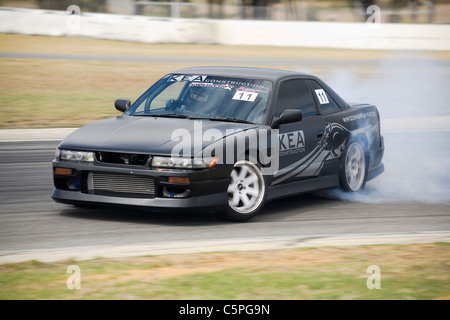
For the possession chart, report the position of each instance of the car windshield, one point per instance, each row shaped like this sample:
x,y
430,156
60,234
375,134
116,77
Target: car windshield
x,y
202,96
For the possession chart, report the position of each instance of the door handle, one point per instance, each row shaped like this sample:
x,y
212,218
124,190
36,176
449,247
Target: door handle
x,y
320,133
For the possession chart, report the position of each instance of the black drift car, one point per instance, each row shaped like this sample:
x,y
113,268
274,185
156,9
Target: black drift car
x,y
225,139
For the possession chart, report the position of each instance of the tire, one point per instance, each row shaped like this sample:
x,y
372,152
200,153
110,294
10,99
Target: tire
x,y
246,192
353,167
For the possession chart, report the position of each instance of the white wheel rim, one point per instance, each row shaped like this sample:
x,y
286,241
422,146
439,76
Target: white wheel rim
x,y
355,166
246,188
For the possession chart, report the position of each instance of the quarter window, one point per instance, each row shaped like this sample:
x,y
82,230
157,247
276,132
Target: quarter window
x,y
324,100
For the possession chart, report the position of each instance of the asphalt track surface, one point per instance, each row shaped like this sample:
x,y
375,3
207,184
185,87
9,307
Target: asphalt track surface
x,y
32,226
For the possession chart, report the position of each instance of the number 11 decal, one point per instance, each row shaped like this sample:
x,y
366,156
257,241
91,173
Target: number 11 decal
x,y
322,96
245,96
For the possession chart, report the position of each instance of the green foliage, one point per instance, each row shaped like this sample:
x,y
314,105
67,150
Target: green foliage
x,y
407,272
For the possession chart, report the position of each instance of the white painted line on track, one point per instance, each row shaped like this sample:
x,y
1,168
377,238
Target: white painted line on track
x,y
50,134
220,245
422,124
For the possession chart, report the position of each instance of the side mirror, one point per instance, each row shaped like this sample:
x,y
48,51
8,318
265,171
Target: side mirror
x,y
122,104
288,116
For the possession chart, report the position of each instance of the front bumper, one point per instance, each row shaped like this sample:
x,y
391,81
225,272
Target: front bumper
x,y
207,188
215,201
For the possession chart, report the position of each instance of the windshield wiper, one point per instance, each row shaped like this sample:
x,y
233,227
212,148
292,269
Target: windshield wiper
x,y
168,115
177,115
231,119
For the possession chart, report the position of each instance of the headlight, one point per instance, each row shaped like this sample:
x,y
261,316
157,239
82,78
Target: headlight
x,y
75,155
183,163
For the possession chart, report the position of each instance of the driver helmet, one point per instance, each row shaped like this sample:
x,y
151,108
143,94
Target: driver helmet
x,y
198,94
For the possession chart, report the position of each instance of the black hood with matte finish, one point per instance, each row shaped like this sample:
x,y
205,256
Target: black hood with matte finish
x,y
149,135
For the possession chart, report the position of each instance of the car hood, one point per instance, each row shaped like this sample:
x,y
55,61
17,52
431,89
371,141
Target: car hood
x,y
153,135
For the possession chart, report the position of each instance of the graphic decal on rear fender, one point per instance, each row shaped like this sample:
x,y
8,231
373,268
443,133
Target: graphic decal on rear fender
x,y
329,147
334,139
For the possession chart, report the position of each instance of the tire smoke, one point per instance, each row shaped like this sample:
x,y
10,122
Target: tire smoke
x,y
413,98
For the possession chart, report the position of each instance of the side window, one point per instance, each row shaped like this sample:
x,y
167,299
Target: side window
x,y
295,94
326,103
171,92
159,101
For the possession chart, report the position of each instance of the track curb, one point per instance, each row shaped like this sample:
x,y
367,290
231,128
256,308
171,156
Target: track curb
x,y
219,245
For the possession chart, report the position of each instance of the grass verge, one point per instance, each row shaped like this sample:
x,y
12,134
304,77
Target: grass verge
x,y
417,271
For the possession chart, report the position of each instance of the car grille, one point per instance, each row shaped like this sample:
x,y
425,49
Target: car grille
x,y
122,158
121,185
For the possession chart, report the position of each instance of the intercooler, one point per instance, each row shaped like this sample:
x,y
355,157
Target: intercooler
x,y
122,185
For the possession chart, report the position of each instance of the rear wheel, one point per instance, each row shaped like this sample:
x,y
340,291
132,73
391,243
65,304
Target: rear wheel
x,y
246,192
353,169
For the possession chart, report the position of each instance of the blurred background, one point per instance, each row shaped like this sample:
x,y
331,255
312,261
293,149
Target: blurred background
x,y
394,11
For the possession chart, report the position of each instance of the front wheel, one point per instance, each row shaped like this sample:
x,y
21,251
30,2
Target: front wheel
x,y
246,192
353,168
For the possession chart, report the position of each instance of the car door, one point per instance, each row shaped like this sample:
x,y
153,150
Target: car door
x,y
299,150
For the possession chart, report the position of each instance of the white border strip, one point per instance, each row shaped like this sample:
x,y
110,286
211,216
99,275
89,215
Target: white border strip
x,y
427,124
220,245
50,134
